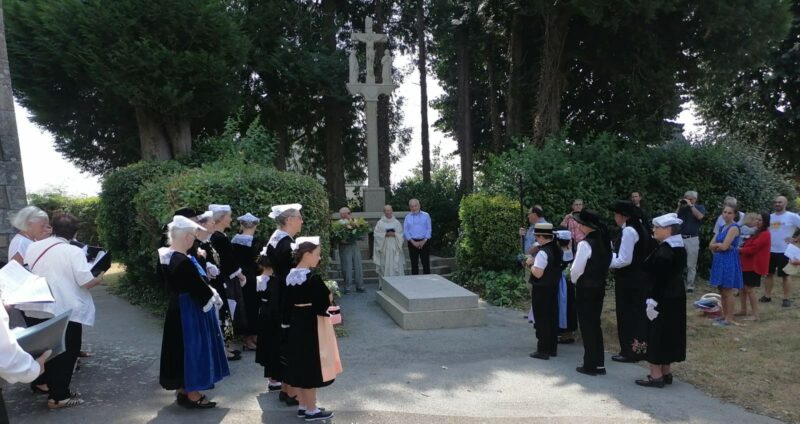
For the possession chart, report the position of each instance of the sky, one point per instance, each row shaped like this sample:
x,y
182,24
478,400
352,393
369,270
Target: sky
x,y
46,169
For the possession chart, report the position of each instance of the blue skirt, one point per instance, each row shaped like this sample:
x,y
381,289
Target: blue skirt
x,y
726,270
204,358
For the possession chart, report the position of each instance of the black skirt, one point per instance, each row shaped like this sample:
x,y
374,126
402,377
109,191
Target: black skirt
x,y
304,369
667,339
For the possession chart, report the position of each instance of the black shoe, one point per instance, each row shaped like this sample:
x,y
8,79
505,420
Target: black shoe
x,y
36,390
290,401
181,399
274,387
601,370
765,299
199,404
622,358
568,340
235,357
361,290
689,291
539,355
319,416
667,378
786,303
588,371
553,354
283,397
301,413
651,382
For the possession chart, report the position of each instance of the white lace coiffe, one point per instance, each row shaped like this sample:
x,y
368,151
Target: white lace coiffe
x,y
297,276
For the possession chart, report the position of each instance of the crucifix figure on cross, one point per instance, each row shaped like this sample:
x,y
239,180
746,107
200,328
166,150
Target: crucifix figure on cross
x,y
369,38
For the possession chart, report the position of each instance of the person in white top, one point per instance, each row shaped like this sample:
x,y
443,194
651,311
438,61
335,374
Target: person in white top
x,y
69,276
782,225
33,225
16,365
732,202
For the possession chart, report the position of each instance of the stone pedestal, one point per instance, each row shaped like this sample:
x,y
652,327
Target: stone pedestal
x,y
374,199
424,302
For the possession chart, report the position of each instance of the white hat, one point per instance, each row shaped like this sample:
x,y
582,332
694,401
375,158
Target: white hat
x,y
667,220
184,222
279,209
219,208
206,215
249,218
300,240
563,234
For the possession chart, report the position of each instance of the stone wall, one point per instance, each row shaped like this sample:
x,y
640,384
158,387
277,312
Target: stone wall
x,y
12,182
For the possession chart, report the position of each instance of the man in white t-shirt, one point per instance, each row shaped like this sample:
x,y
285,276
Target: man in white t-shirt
x,y
782,226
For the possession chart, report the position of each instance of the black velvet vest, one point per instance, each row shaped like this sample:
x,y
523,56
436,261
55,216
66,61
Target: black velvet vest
x,y
597,266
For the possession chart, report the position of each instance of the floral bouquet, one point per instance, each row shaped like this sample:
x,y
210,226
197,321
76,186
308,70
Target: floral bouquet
x,y
639,348
335,311
349,230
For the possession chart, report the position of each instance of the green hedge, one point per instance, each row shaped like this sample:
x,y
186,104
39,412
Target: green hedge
x,y
487,240
246,187
85,208
602,170
117,221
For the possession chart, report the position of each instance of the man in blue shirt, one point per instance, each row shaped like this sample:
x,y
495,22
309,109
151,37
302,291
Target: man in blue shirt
x,y
417,232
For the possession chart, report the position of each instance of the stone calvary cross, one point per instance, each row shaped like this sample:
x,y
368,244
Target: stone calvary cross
x,y
374,194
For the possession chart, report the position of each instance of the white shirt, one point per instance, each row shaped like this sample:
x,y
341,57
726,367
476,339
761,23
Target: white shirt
x,y
19,244
781,227
624,257
582,256
16,365
66,270
721,221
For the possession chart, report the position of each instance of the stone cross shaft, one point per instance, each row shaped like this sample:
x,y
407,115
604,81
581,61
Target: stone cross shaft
x,y
374,195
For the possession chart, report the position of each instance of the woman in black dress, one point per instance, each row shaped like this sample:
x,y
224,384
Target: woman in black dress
x,y
312,352
246,247
192,349
273,319
230,278
665,268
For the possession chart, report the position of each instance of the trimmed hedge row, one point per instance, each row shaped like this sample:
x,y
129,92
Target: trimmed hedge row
x,y
84,208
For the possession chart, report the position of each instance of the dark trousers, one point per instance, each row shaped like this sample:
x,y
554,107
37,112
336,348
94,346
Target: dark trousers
x,y
631,319
3,412
545,312
416,254
59,369
589,304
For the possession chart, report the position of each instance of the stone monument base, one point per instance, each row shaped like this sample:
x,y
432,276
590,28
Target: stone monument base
x,y
374,199
424,302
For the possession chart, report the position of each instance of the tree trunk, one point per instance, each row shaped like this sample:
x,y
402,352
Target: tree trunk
x,y
514,113
494,109
422,65
179,132
154,142
384,134
283,148
552,78
334,114
464,122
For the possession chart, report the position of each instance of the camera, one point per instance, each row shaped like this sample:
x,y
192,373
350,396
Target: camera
x,y
683,202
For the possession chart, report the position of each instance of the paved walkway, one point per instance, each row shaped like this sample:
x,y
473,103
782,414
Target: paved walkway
x,y
475,375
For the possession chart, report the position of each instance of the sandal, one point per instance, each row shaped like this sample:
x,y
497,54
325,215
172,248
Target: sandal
x,y
199,404
64,403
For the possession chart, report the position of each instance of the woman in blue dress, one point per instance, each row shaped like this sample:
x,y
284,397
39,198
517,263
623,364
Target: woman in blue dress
x,y
726,270
192,349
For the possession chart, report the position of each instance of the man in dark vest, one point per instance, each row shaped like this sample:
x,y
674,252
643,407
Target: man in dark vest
x,y
589,271
546,272
630,251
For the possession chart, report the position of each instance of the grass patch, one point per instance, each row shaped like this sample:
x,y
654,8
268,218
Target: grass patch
x,y
753,365
152,299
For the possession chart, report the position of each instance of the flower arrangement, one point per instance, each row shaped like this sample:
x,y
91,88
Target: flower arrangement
x,y
349,230
639,348
334,288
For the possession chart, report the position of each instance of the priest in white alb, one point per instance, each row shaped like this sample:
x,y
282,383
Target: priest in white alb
x,y
388,248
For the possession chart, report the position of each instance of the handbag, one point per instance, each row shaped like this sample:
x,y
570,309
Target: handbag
x,y
336,314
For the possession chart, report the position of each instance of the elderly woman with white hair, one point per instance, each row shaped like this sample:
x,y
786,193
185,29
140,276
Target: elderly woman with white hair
x,y
231,279
192,348
33,225
666,301
246,247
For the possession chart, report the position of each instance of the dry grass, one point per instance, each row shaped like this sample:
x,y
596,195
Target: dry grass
x,y
114,273
753,365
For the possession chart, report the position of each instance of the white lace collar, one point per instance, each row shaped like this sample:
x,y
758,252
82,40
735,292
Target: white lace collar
x,y
164,255
297,276
674,241
276,237
243,239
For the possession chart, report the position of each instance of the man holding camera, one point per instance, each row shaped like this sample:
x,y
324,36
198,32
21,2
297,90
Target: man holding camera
x,y
692,214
